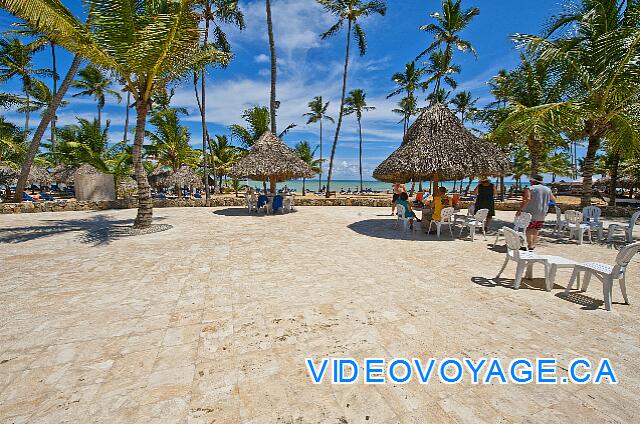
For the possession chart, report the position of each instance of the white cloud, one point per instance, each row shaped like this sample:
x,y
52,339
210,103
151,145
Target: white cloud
x,y
261,58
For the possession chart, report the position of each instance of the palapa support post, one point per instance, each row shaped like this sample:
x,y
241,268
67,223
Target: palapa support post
x,y
272,184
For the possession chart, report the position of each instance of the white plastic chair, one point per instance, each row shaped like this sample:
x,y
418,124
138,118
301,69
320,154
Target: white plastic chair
x,y
288,203
446,216
627,229
523,259
591,217
479,220
561,224
470,212
520,225
607,273
266,208
252,202
400,211
576,227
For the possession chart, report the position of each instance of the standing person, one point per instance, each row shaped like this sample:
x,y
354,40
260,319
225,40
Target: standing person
x,y
486,193
398,189
535,200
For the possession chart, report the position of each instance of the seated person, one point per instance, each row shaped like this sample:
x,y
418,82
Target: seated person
x,y
403,200
438,201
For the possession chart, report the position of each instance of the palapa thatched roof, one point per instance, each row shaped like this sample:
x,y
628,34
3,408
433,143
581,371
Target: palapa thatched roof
x,y
623,181
270,157
66,173
438,146
7,173
183,177
38,174
63,174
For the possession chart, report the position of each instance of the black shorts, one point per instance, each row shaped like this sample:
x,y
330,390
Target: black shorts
x,y
396,196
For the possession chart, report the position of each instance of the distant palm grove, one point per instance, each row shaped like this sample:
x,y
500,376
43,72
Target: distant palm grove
x,y
570,108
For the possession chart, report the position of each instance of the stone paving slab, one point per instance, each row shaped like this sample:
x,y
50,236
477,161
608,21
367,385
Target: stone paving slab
x,y
211,321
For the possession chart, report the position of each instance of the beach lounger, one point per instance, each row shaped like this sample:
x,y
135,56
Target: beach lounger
x,y
520,225
27,198
47,197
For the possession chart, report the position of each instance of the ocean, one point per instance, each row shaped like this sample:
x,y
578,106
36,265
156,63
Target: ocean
x,y
353,185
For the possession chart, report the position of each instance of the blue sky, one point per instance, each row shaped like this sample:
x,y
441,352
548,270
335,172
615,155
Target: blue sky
x,y
310,67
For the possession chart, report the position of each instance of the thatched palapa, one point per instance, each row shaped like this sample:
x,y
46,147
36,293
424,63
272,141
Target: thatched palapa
x,y
7,174
183,177
63,174
437,147
271,160
38,174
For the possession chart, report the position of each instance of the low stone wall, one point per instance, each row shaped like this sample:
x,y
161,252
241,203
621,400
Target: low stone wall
x,y
29,207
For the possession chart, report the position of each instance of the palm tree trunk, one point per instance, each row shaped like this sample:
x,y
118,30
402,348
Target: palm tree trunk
x,y
360,151
42,127
469,184
615,165
339,124
205,132
26,114
587,170
272,185
99,117
535,150
502,187
55,90
126,122
272,50
320,173
145,204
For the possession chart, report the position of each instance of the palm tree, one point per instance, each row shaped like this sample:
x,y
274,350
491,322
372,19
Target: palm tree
x,y
464,105
214,12
318,113
349,11
441,68
440,96
531,85
170,141
16,60
357,103
118,40
258,121
223,155
446,31
12,144
598,59
23,30
273,104
83,143
94,83
41,96
407,107
303,149
408,81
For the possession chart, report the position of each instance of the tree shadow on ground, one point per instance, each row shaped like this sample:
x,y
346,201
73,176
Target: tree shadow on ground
x,y
96,230
390,229
242,211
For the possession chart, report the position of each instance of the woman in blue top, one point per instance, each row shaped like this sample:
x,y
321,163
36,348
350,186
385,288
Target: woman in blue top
x,y
403,201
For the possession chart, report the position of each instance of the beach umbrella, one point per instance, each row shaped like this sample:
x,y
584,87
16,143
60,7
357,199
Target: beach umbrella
x,y
7,174
270,159
437,147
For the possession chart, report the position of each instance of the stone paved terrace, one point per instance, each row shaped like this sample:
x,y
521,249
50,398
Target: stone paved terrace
x,y
210,322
